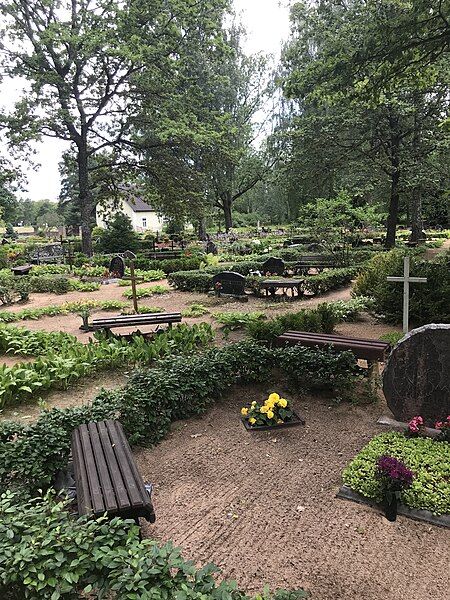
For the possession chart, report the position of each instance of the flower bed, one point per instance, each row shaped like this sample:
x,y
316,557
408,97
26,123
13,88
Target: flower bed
x,y
428,459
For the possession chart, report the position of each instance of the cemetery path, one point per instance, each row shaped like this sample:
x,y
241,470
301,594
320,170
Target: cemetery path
x,y
262,506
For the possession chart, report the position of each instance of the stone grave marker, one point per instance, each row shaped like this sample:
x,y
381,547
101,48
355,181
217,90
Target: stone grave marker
x,y
117,266
211,248
273,266
229,282
416,380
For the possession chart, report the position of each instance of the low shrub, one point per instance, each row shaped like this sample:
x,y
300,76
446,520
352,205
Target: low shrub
x,y
46,553
428,301
329,280
191,281
33,314
146,292
231,321
83,286
428,459
169,265
319,320
14,340
195,310
348,310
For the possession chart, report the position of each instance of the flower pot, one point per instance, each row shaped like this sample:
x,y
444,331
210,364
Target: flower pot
x,y
390,507
293,422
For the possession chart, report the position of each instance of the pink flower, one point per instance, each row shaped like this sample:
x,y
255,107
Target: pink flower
x,y
415,424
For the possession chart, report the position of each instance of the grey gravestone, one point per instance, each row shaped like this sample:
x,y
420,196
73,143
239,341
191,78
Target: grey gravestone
x,y
117,266
416,380
229,282
274,266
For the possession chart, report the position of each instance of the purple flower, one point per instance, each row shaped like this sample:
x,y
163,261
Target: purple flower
x,y
394,472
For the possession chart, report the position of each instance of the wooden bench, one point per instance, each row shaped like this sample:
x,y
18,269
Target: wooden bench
x,y
314,261
106,476
22,269
163,254
270,287
108,323
373,351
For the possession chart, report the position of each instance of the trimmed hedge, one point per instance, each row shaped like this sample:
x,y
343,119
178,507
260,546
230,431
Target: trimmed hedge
x,y
428,459
201,281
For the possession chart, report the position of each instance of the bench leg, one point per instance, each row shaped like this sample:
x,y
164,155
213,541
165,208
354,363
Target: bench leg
x,y
374,374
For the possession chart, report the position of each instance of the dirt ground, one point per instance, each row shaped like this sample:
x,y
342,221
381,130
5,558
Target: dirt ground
x,y
262,506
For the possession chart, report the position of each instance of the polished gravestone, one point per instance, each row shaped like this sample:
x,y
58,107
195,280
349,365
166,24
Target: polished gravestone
x,y
416,380
117,266
229,283
273,266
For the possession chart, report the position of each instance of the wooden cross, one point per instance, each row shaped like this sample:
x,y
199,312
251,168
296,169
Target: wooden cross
x,y
130,256
406,279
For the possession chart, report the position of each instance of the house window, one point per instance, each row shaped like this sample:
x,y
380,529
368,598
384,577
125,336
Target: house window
x,y
144,222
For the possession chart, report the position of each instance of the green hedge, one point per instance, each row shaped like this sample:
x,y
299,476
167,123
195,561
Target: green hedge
x,y
169,265
175,388
201,281
429,302
428,459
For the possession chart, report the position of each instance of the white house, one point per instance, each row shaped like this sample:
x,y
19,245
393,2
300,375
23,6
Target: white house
x,y
143,217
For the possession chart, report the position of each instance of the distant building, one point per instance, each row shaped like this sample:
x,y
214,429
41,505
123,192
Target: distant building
x,y
143,217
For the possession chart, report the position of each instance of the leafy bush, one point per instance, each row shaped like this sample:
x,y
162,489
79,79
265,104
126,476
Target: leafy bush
x,y
428,459
318,320
195,310
428,301
48,284
147,291
191,281
237,320
348,310
393,337
329,280
32,343
76,557
83,286
169,265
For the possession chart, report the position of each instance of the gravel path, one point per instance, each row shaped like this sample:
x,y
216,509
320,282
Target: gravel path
x,y
263,506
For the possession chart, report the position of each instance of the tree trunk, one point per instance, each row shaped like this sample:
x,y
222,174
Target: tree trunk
x,y
226,205
395,180
85,200
201,230
416,193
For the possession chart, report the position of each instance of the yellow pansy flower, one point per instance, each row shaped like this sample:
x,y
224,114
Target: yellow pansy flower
x,y
270,414
274,398
244,412
283,403
252,421
263,409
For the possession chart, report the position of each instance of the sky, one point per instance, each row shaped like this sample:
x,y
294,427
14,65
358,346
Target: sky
x,y
267,25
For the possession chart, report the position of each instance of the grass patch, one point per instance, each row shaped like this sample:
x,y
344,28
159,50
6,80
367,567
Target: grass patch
x,y
428,459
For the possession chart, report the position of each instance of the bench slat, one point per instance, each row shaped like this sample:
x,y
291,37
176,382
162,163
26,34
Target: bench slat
x,y
120,490
83,496
123,455
98,506
331,337
106,486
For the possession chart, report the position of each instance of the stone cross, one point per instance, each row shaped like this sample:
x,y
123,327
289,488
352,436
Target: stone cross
x,y
406,280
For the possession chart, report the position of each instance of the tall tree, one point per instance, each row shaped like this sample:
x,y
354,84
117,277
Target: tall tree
x,y
80,59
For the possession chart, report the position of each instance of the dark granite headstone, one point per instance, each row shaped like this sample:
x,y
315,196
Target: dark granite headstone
x,y
273,266
229,282
416,380
211,248
117,266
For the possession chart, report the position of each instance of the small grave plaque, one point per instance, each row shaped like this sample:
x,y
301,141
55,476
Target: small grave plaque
x,y
416,380
117,267
229,282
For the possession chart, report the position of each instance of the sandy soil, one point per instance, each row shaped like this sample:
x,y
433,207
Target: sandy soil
x,y
262,506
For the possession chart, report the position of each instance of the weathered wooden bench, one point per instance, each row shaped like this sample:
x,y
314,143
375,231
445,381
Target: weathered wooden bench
x,y
106,476
22,269
108,323
314,261
373,351
270,287
163,254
